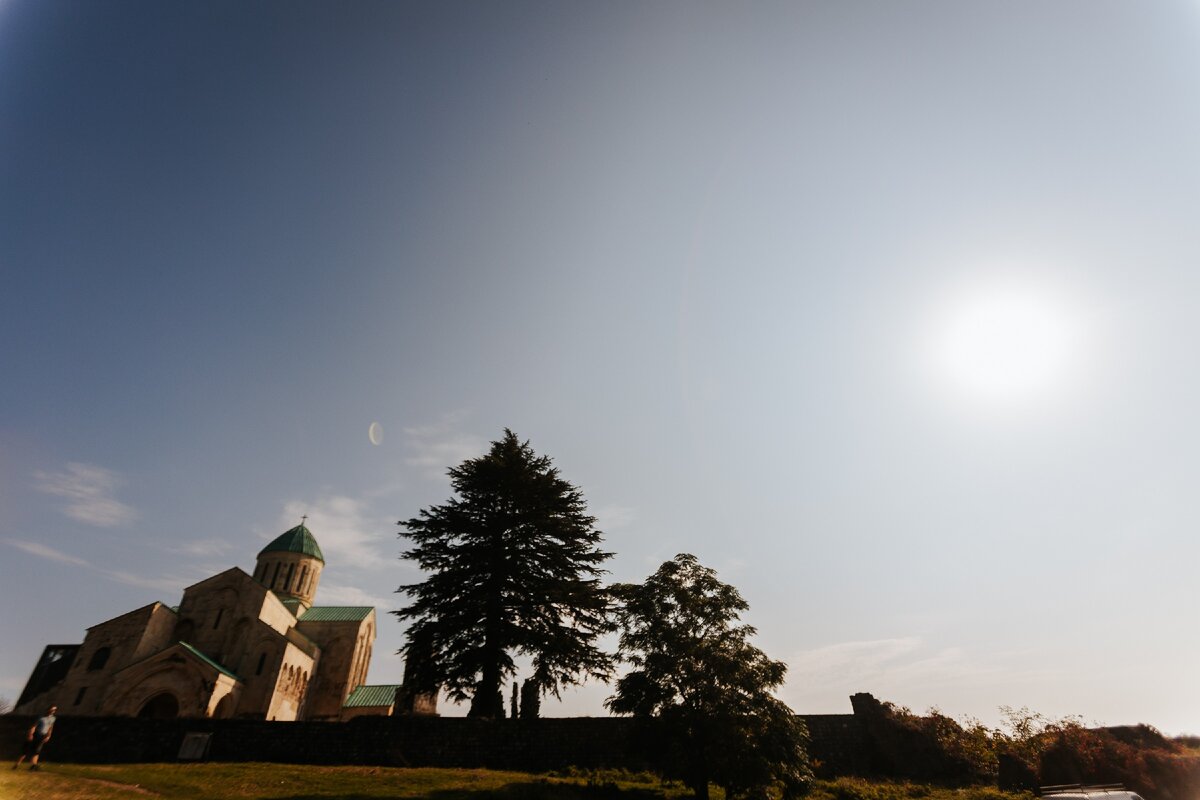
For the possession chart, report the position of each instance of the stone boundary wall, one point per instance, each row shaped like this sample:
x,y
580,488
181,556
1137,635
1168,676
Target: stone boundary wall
x,y
838,746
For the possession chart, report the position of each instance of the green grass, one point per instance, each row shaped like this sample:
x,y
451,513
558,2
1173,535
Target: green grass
x,y
859,789
250,781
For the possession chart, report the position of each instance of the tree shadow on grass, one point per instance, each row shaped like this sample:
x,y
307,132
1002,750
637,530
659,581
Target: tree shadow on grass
x,y
530,790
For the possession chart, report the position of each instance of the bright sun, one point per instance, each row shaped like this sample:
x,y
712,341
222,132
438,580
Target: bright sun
x,y
1005,347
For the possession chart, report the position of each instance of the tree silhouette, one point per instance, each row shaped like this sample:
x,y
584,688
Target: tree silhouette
x,y
708,687
513,563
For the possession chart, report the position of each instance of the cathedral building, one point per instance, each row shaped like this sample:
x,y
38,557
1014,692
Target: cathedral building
x,y
237,645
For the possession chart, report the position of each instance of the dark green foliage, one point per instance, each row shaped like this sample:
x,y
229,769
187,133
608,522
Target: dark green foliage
x,y
932,747
1029,750
419,669
1139,757
513,707
513,565
531,700
695,671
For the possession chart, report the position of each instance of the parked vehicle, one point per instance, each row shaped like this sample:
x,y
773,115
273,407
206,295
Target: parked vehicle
x,y
1096,791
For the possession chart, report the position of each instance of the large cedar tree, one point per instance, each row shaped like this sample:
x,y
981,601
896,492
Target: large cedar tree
x,y
513,564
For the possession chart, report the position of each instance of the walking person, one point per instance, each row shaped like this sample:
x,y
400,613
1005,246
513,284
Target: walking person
x,y
36,738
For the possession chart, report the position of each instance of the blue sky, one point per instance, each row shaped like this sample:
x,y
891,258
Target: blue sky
x,y
886,311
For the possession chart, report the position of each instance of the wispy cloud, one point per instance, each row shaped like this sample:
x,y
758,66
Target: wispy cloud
x,y
90,494
339,595
892,667
348,534
205,547
611,518
163,583
44,551
851,663
436,447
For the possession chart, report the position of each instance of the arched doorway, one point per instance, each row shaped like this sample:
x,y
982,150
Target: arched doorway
x,y
161,706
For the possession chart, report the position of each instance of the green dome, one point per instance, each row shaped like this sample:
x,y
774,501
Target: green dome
x,y
298,540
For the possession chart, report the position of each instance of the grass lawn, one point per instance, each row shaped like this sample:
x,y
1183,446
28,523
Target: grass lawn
x,y
249,781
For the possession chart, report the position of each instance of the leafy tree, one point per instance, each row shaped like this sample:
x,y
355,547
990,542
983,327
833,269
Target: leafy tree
x,y
708,687
513,565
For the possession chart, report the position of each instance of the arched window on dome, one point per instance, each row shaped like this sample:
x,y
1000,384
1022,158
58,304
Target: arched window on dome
x,y
287,582
275,577
300,581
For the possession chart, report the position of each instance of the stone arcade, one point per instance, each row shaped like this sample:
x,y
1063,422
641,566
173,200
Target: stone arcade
x,y
237,645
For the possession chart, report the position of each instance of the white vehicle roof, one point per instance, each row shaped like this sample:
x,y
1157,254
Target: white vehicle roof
x,y
1077,792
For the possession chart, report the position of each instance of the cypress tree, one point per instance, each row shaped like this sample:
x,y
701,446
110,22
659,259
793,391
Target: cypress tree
x,y
531,700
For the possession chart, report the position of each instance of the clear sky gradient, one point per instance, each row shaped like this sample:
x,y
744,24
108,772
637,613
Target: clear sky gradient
x,y
714,259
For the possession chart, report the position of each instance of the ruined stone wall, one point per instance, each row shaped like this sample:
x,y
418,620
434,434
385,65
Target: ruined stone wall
x,y
838,745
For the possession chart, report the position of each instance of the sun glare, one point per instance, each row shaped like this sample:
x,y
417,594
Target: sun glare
x,y
1006,347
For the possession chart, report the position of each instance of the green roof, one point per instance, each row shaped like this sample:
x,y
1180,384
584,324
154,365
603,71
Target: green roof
x,y
298,540
379,695
336,613
208,660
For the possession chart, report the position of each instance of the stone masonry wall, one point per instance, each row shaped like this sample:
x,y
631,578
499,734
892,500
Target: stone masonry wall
x,y
837,744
